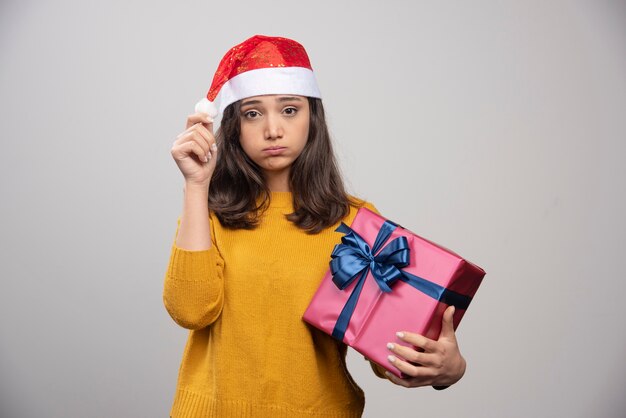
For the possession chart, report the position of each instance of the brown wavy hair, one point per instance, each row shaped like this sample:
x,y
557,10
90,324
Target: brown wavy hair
x,y
238,193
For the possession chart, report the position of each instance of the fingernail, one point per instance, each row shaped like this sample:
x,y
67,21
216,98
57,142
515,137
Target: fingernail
x,y
214,146
390,346
205,159
400,334
391,358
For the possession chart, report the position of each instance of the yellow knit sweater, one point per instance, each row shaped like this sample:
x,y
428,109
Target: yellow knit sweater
x,y
249,353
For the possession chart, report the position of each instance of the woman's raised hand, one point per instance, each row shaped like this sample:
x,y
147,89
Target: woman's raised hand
x,y
195,150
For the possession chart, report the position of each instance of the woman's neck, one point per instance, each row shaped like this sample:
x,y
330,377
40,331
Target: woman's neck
x,y
277,181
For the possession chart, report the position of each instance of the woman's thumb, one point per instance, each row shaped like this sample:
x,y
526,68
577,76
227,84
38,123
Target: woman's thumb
x,y
447,324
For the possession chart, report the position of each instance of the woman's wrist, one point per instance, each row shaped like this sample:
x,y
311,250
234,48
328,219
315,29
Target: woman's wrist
x,y
191,187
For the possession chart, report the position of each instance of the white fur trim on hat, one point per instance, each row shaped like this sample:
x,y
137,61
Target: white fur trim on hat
x,y
276,80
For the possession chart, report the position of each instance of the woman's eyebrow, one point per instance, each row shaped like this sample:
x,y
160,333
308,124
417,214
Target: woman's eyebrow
x,y
249,102
288,99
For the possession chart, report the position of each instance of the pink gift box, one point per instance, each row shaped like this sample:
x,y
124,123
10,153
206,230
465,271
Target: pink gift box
x,y
427,281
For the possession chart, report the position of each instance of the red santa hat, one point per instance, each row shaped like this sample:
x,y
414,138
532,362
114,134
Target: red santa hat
x,y
260,65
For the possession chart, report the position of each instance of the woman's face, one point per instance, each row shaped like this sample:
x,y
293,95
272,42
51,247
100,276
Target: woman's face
x,y
274,130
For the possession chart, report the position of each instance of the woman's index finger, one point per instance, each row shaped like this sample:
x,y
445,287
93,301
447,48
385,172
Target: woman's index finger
x,y
202,118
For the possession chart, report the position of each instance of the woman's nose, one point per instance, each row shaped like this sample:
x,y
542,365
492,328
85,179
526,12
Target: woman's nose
x,y
273,127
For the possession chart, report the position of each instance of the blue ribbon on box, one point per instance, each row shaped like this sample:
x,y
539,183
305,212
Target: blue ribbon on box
x,y
353,259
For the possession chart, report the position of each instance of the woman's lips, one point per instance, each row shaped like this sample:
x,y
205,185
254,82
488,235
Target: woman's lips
x,y
274,150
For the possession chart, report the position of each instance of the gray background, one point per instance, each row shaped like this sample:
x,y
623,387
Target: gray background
x,y
501,123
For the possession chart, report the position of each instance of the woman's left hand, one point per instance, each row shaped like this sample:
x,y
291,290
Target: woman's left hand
x,y
440,364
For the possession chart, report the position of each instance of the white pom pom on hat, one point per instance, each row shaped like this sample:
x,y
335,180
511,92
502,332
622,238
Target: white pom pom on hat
x,y
206,106
260,65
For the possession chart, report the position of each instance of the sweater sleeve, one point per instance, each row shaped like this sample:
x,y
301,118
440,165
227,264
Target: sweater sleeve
x,y
193,292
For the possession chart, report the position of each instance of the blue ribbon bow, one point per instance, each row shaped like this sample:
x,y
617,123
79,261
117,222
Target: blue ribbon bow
x,y
353,259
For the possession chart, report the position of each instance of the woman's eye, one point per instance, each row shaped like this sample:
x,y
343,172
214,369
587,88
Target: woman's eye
x,y
251,114
291,110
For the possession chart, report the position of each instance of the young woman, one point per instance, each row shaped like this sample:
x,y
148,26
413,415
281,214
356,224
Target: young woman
x,y
261,203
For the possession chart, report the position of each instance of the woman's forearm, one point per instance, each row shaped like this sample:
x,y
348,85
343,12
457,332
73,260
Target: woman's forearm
x,y
194,232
